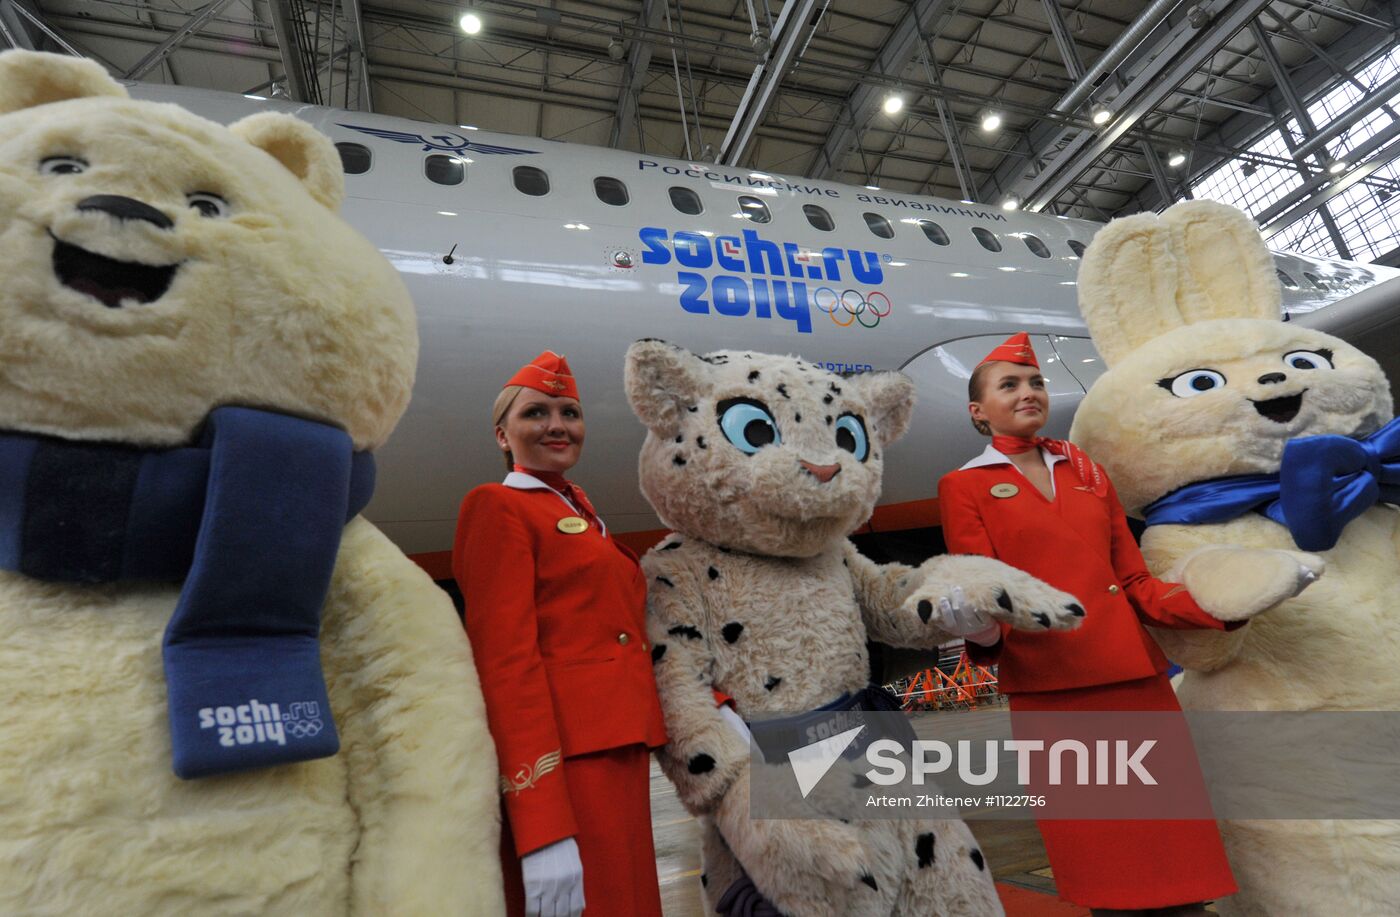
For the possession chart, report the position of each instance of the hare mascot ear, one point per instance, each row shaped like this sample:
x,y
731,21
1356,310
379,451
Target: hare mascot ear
x,y
1147,274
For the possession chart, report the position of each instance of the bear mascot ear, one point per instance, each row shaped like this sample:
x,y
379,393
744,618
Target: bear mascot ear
x,y
662,382
30,78
306,152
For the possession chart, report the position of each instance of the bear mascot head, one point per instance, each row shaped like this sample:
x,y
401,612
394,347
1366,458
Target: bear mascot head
x,y
197,356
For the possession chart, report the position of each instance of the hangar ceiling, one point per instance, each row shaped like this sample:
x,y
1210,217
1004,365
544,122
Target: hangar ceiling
x,y
796,88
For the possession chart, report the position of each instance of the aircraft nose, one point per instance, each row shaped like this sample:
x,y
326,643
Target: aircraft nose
x,y
126,208
822,473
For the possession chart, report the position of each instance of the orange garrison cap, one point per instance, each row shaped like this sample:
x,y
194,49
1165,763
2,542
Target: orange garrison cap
x,y
1015,349
548,373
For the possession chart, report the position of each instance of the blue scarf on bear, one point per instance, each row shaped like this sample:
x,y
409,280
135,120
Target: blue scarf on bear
x,y
249,521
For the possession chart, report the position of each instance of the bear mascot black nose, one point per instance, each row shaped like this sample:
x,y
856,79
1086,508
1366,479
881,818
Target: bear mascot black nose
x,y
126,208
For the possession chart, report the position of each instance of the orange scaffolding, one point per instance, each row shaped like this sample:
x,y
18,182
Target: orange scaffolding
x,y
967,686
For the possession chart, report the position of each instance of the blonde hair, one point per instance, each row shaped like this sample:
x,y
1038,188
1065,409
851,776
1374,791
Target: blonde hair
x,y
499,409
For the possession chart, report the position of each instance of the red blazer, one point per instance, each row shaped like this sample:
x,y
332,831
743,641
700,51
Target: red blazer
x,y
1080,544
557,626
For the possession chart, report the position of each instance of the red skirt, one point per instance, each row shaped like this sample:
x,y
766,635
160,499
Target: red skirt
x,y
1129,864
610,792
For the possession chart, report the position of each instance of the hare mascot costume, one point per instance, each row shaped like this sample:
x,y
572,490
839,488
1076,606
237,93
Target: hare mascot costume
x,y
1206,384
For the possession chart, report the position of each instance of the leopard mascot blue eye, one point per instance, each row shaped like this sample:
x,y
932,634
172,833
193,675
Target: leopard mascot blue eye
x,y
851,436
748,424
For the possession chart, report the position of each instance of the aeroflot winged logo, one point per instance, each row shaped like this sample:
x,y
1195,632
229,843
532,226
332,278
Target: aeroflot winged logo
x,y
766,278
442,143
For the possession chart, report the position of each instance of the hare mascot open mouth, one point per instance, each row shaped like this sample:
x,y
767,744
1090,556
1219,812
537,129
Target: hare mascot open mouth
x,y
1226,429
197,358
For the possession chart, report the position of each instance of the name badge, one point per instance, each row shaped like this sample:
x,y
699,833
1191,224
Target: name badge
x,y
1002,491
573,525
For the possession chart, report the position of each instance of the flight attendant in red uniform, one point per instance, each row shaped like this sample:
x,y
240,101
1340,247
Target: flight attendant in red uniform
x,y
555,610
1043,506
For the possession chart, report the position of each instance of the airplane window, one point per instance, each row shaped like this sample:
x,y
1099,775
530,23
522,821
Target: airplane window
x,y
610,191
1077,247
1286,280
531,181
444,170
818,217
879,225
686,201
354,159
1315,280
934,232
987,239
754,209
1036,246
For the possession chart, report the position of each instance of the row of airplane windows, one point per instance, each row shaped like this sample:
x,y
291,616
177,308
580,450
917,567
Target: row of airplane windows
x,y
451,170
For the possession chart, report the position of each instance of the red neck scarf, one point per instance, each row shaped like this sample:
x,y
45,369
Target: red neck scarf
x,y
571,492
1088,472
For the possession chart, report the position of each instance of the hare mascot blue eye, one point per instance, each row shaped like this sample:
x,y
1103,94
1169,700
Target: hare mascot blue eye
x,y
198,357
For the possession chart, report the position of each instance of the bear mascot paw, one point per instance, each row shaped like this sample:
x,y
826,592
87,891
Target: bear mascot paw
x,y
1209,419
762,465
197,356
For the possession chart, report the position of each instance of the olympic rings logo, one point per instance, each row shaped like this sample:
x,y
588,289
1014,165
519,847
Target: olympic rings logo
x,y
851,307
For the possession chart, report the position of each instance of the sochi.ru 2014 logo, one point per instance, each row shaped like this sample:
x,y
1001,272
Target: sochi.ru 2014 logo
x,y
768,279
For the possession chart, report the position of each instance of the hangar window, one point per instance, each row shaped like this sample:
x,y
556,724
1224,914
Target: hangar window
x,y
1036,246
444,170
610,191
1077,247
934,232
751,208
1315,280
686,201
987,239
1286,280
354,158
531,181
818,217
879,225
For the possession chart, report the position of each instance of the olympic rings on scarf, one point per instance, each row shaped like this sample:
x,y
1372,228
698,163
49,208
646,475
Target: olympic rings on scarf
x,y
853,305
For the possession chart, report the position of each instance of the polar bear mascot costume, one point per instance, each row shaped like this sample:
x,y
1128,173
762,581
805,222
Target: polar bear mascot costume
x,y
762,465
224,692
1228,429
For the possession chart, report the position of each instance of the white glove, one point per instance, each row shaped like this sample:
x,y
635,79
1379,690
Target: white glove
x,y
960,619
553,878
735,721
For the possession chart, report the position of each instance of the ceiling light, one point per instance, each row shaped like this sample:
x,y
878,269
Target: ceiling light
x,y
615,48
469,127
893,104
1176,159
1101,115
470,23
1338,167
991,120
1011,203
1247,169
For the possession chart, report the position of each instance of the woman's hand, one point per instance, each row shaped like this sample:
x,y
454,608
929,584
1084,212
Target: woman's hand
x,y
553,878
961,619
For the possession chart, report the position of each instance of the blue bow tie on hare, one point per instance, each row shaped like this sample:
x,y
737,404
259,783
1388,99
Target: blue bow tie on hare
x,y
250,521
1323,483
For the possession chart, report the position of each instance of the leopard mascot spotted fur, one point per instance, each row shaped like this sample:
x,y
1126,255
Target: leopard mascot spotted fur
x,y
762,465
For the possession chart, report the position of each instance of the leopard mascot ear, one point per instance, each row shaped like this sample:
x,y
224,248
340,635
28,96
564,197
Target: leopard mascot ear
x,y
663,381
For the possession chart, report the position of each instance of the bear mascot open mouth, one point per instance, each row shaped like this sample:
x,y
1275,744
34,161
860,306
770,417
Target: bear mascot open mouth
x,y
108,280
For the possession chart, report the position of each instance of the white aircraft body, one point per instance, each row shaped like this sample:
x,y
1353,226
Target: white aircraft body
x,y
513,245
